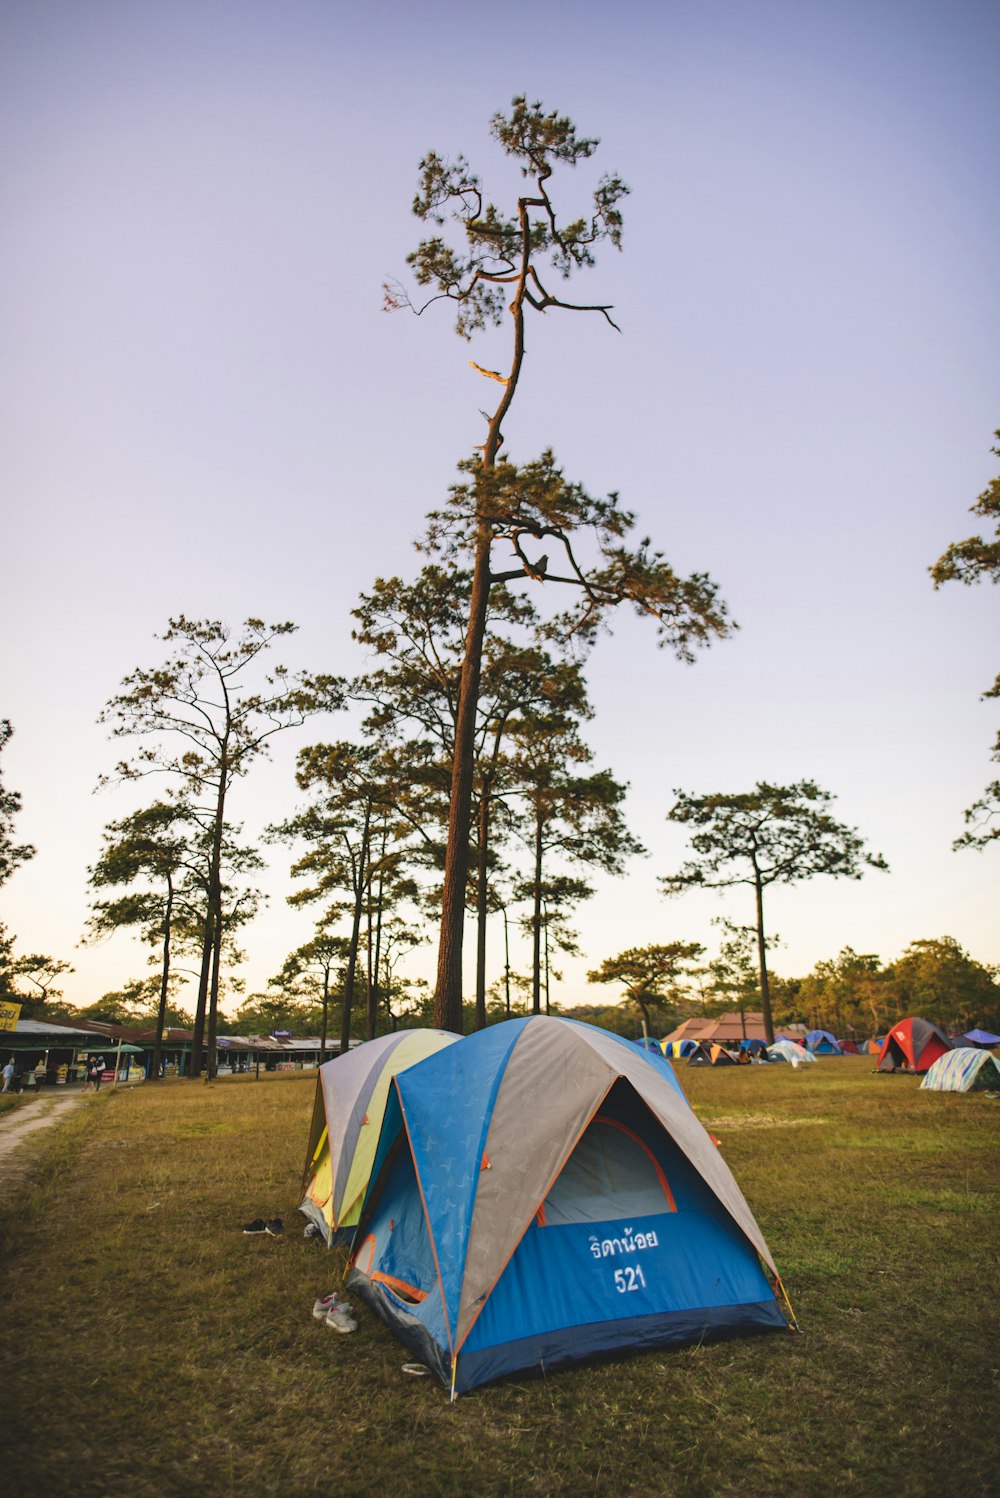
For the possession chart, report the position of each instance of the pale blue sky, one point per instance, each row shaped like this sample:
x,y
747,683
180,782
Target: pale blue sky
x,y
204,409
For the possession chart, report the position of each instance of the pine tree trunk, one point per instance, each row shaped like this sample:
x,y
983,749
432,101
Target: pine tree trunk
x,y
369,964
164,982
765,992
506,961
212,1058
548,1009
536,923
375,990
360,882
213,923
448,992
326,1004
204,979
482,892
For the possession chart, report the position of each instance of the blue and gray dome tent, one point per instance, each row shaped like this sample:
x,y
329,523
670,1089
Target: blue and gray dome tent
x,y
822,1043
542,1194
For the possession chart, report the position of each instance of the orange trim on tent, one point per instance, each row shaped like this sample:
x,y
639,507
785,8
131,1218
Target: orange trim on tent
x,y
318,1201
614,1123
409,1292
371,1252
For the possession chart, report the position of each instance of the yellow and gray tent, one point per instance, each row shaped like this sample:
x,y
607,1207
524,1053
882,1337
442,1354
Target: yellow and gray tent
x,y
351,1093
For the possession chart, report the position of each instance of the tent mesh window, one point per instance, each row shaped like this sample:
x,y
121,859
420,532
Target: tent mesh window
x,y
611,1174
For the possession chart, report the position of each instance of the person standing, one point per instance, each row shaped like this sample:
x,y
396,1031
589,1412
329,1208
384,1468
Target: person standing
x,y
40,1074
8,1074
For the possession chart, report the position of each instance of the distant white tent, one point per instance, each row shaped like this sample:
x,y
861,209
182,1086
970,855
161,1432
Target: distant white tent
x,y
787,1050
963,1070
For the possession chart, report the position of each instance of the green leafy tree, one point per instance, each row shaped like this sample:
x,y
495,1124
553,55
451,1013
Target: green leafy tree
x,y
568,815
396,993
559,895
500,266
310,972
206,719
969,562
31,981
354,836
771,835
137,1003
12,854
417,632
147,855
936,978
8,983
261,1013
653,977
733,976
850,994
159,859
618,1018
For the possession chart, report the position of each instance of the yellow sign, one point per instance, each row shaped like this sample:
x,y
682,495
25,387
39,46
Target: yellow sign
x,y
9,1016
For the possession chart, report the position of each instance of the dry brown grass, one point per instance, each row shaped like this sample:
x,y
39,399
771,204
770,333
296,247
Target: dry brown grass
x,y
151,1349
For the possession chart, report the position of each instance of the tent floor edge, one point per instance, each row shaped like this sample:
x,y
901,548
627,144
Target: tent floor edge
x,y
602,1340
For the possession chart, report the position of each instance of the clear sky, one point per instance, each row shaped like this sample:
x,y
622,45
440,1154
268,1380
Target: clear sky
x,y
205,410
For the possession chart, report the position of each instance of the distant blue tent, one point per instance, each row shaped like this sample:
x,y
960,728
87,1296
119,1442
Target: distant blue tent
x,y
542,1193
754,1047
981,1038
822,1043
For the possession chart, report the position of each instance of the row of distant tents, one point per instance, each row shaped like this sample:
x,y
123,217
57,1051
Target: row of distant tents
x,y
913,1045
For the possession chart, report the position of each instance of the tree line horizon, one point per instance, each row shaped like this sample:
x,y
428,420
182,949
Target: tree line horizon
x,y
472,790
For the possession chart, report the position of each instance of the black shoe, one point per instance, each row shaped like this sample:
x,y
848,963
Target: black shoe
x,y
274,1228
257,1226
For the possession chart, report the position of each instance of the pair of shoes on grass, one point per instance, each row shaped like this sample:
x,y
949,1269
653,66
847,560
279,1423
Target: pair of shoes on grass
x,y
273,1229
335,1313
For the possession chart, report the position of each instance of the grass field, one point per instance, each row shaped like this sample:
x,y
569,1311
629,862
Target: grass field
x,y
150,1348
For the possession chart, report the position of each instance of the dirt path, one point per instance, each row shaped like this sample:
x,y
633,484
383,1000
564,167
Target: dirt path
x,y
19,1126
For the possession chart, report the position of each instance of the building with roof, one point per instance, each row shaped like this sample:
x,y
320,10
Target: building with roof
x,y
728,1029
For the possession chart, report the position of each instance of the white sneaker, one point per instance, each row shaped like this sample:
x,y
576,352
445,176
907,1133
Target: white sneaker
x,y
327,1303
340,1319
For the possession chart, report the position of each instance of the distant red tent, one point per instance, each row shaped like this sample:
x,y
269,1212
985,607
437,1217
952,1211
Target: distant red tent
x,y
849,1047
912,1045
